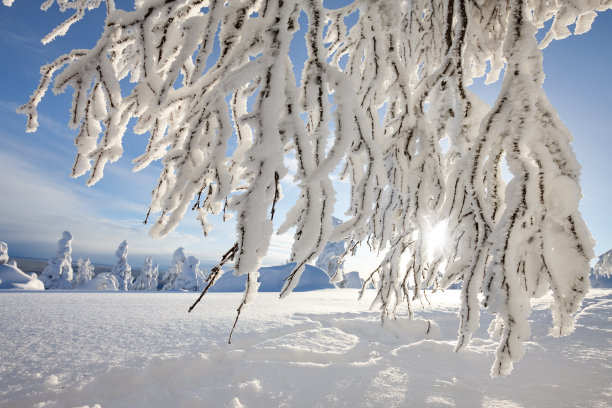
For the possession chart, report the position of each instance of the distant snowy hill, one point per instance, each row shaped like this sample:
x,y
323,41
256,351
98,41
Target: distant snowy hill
x,y
601,274
273,278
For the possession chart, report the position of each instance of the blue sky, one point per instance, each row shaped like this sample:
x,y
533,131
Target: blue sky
x,y
38,199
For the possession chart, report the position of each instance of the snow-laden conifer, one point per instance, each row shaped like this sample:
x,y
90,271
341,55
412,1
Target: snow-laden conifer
x,y
147,280
4,258
85,272
191,277
603,267
58,274
175,270
122,270
391,87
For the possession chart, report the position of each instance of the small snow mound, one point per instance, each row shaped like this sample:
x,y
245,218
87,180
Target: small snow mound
x,y
13,278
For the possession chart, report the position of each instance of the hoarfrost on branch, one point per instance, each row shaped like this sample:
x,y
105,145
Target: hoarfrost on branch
x,y
390,88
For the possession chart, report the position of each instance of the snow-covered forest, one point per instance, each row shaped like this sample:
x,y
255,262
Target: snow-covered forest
x,y
183,274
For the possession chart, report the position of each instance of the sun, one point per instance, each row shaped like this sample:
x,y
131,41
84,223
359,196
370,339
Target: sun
x,y
435,237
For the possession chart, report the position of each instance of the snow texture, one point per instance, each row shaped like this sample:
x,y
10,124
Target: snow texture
x,y
313,349
58,274
373,105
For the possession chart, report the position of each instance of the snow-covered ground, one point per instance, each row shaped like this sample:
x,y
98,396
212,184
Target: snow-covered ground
x,y
314,349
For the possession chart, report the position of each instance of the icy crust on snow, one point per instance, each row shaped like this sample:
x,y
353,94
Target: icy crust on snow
x,y
82,349
272,279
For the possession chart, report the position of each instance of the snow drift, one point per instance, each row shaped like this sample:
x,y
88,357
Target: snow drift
x,y
12,277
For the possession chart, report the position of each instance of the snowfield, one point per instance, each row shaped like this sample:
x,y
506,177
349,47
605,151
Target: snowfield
x,y
313,349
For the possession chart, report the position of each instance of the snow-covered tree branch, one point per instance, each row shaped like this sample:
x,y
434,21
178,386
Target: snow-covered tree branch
x,y
376,101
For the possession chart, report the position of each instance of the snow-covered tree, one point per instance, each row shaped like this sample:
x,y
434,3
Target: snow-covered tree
x,y
58,274
176,269
603,267
147,280
122,270
375,101
103,281
4,258
191,277
331,259
85,272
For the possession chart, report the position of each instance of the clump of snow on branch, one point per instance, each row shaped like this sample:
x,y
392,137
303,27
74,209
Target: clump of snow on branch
x,y
58,274
122,269
391,88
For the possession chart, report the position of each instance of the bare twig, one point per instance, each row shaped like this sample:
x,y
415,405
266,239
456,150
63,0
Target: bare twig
x,y
215,274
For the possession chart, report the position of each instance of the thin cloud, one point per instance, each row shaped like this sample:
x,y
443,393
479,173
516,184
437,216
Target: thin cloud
x,y
37,207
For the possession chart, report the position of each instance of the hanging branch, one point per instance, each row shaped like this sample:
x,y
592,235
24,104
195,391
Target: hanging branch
x,y
215,274
392,88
